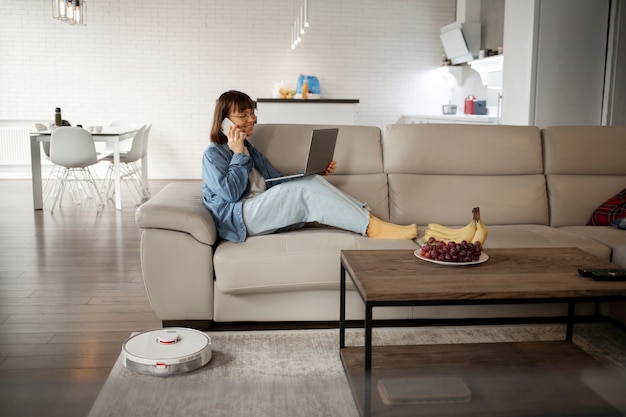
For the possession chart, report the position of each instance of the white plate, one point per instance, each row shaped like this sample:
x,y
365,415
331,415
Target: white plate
x,y
483,258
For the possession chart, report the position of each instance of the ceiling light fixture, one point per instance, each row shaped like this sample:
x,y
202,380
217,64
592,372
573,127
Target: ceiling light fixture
x,y
70,11
302,21
306,13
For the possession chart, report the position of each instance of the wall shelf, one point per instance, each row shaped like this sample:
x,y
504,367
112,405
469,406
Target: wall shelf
x,y
489,69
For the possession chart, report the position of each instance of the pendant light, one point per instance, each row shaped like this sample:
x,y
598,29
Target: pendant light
x,y
302,22
70,11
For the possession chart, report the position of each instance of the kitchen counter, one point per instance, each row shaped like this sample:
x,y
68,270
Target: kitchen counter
x,y
445,118
309,111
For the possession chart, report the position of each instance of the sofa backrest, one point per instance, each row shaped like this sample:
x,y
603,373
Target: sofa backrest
x,y
438,173
584,167
358,154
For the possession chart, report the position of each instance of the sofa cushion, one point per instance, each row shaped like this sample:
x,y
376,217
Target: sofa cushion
x,y
540,236
433,149
573,198
449,199
584,167
370,189
607,235
178,206
612,209
576,150
358,154
306,259
436,177
358,149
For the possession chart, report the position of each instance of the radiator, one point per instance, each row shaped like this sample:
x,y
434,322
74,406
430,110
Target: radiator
x,y
14,146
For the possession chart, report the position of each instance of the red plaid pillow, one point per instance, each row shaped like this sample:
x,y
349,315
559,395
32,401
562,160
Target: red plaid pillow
x,y
614,208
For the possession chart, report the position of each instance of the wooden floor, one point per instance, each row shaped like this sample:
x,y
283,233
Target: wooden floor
x,y
70,294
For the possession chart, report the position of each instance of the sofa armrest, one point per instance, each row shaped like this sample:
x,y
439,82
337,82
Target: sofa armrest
x,y
179,207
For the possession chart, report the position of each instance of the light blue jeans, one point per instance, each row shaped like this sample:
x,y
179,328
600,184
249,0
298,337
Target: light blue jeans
x,y
288,206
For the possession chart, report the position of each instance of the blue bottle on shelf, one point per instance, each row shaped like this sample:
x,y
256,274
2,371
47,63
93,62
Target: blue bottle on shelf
x,y
313,83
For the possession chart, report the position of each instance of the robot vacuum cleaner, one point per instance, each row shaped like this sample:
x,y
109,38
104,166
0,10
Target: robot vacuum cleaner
x,y
168,351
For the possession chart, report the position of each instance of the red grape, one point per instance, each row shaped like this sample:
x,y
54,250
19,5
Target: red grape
x,y
451,251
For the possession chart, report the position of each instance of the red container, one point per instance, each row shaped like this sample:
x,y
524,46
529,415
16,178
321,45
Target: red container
x,y
469,105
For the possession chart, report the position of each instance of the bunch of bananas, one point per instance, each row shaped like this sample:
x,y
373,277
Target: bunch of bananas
x,y
475,231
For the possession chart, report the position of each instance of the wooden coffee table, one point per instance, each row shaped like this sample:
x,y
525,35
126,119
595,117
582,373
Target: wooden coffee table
x,y
528,378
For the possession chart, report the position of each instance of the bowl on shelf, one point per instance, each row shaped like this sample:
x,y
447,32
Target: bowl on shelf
x,y
448,108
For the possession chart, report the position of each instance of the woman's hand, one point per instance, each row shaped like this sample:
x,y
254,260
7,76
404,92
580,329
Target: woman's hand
x,y
330,169
236,137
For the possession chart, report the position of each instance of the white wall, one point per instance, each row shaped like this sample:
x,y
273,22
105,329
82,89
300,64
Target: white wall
x,y
570,62
554,72
518,76
166,62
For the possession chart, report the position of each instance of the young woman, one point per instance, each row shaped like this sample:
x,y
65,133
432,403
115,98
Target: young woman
x,y
243,204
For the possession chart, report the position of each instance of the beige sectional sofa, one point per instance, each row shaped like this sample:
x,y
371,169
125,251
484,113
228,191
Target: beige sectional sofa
x,y
535,188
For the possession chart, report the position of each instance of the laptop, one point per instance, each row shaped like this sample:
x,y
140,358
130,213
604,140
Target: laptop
x,y
321,151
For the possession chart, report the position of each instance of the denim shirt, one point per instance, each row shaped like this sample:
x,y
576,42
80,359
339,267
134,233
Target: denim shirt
x,y
225,185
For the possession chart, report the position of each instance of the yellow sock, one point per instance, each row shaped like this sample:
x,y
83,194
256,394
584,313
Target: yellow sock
x,y
379,229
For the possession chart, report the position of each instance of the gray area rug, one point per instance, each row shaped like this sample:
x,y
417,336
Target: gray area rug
x,y
299,373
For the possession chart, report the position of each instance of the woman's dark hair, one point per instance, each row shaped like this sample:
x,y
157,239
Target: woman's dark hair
x,y
228,102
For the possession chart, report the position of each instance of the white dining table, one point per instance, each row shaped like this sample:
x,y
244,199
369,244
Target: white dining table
x,y
112,135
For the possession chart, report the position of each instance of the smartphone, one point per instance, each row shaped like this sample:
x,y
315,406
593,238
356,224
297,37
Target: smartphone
x,y
226,124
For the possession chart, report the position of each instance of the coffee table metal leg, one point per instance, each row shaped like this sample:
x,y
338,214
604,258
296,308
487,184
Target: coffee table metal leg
x,y
342,307
569,330
367,398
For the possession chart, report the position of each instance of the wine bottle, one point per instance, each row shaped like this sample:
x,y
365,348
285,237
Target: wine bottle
x,y
58,120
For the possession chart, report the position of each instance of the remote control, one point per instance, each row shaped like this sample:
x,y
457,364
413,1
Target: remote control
x,y
604,274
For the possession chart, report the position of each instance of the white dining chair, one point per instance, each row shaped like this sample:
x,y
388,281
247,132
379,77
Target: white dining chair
x,y
130,168
73,149
125,144
128,123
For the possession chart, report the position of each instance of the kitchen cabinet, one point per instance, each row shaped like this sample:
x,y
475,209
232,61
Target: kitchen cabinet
x,y
311,111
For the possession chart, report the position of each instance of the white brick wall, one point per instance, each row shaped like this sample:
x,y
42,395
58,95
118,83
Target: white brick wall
x,y
166,62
